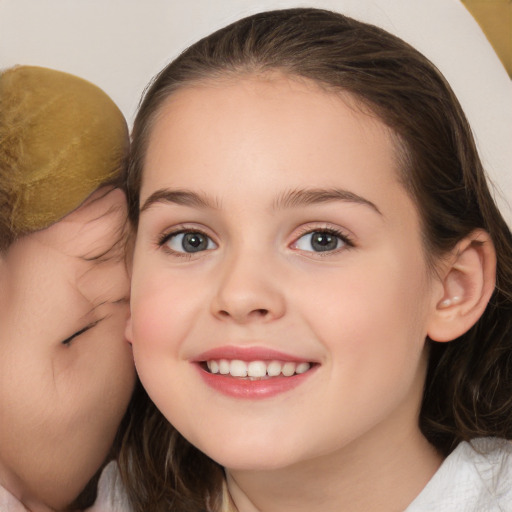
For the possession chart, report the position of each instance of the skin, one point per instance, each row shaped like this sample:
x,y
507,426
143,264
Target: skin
x,y
61,401
359,313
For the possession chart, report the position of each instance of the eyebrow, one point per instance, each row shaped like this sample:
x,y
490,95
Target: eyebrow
x,y
291,199
181,197
305,197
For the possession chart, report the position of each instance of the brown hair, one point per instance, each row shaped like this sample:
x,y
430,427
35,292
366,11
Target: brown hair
x,y
468,390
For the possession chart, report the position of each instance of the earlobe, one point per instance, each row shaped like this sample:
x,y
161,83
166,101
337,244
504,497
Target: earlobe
x,y
468,281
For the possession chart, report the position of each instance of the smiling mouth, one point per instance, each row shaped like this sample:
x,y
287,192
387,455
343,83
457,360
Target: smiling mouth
x,y
255,370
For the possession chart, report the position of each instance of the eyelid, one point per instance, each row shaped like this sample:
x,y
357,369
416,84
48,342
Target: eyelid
x,y
179,229
183,227
345,236
68,340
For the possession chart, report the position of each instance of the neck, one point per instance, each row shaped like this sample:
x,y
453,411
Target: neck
x,y
377,473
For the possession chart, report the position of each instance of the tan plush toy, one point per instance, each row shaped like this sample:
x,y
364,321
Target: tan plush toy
x,y
61,137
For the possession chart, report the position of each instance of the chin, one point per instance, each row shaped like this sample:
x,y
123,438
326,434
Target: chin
x,y
251,459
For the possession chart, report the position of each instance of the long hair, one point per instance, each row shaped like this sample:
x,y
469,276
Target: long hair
x,y
468,389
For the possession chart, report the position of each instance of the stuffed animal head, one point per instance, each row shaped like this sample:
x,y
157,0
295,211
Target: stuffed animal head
x,y
61,138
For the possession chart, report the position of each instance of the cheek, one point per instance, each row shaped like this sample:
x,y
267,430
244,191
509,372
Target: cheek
x,y
94,380
373,317
95,375
84,387
371,326
164,312
62,408
164,308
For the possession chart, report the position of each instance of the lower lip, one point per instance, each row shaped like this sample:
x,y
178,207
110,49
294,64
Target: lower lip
x,y
252,389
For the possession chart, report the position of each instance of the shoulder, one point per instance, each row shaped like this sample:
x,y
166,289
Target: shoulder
x,y
475,477
112,496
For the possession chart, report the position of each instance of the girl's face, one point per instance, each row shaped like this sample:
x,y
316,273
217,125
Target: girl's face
x,y
276,240
66,369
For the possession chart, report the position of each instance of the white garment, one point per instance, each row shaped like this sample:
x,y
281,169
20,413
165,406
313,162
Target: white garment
x,y
8,503
475,477
111,494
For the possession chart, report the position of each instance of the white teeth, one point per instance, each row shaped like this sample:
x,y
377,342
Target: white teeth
x,y
274,368
238,368
288,369
256,369
213,366
302,368
223,367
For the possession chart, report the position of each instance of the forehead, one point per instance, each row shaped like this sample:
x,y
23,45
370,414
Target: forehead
x,y
249,122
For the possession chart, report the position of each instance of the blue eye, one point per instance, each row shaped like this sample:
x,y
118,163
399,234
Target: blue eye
x,y
189,242
320,241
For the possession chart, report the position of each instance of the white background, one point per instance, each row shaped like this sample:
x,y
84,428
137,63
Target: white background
x,y
120,44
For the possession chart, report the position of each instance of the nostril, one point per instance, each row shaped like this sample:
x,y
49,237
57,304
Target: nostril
x,y
260,312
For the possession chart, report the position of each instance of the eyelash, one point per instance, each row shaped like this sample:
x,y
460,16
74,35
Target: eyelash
x,y
165,237
342,236
68,341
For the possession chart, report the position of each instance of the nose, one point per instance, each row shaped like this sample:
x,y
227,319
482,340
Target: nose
x,y
248,291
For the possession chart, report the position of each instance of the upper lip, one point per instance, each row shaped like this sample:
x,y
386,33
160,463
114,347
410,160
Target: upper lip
x,y
254,353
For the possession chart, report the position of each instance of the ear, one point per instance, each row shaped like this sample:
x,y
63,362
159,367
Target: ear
x,y
468,278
